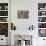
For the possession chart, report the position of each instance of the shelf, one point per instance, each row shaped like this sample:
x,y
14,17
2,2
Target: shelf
x,y
41,10
41,22
3,22
42,19
3,10
4,19
42,16
3,16
41,28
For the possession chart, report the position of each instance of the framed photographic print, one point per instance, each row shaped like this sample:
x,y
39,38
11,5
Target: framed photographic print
x,y
23,14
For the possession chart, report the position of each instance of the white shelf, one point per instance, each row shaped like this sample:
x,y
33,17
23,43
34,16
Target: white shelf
x,y
3,22
3,10
3,16
41,28
42,16
41,10
41,22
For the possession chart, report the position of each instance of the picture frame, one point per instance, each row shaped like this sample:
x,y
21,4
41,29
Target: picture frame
x,y
23,14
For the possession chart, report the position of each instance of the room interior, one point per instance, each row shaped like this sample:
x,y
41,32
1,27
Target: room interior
x,y
22,22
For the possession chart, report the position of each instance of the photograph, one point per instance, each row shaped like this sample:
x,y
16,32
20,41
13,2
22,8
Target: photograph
x,y
22,14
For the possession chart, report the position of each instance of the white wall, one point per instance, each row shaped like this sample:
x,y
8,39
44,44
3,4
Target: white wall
x,y
32,6
23,24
